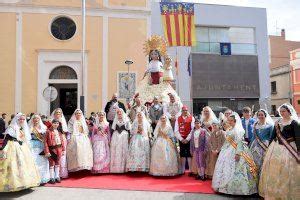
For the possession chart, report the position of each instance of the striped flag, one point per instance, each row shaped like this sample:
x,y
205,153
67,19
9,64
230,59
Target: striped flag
x,y
178,23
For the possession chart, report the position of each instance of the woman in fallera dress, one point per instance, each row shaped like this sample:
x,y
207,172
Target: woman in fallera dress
x,y
63,127
207,118
263,134
165,159
17,166
119,142
79,148
138,158
235,171
280,173
38,131
100,142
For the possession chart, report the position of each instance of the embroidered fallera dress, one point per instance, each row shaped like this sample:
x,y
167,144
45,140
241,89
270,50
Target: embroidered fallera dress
x,y
164,155
79,149
280,173
138,158
260,145
37,146
18,169
119,146
231,176
100,142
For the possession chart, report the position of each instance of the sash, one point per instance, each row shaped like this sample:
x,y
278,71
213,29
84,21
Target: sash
x,y
37,134
165,136
259,140
248,159
286,144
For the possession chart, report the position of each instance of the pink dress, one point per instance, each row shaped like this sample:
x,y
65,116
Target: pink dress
x,y
101,153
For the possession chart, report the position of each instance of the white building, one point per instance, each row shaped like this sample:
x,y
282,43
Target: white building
x,y
223,81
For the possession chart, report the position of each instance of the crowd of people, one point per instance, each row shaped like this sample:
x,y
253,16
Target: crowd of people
x,y
242,156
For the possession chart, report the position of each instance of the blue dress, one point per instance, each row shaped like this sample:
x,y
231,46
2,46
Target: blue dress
x,y
42,163
262,135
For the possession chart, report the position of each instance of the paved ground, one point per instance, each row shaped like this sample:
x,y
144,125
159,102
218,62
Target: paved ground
x,y
52,193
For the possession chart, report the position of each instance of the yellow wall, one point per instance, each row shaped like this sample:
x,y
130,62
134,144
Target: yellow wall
x,y
133,3
125,41
127,46
41,38
67,3
7,62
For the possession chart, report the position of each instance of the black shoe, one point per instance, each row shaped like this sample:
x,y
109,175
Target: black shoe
x,y
57,180
52,181
191,174
202,178
198,177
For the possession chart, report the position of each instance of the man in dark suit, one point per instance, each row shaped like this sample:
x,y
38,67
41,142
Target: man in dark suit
x,y
3,125
111,108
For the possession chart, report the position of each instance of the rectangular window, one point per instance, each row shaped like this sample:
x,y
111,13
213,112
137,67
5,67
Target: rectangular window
x,y
273,87
209,38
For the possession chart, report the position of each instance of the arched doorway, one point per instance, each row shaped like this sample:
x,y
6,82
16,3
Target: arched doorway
x,y
65,80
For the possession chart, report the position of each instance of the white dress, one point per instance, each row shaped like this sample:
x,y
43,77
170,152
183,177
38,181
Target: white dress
x,y
138,158
119,147
79,149
164,155
230,176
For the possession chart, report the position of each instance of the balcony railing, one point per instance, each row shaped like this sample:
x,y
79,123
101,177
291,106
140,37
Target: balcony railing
x,y
214,48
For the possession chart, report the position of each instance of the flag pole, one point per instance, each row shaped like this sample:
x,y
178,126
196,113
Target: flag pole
x,y
177,71
83,14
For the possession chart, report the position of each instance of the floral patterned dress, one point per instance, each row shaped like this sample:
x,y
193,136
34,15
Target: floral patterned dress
x,y
119,147
262,137
138,158
63,161
100,142
18,169
280,173
79,149
164,154
37,146
231,176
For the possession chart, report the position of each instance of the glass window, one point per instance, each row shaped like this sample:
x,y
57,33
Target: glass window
x,y
63,72
209,38
243,48
202,34
63,28
241,35
273,87
218,35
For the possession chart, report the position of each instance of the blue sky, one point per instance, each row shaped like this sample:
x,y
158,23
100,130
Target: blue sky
x,y
281,14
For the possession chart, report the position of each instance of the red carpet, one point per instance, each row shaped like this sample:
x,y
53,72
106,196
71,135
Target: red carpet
x,y
143,182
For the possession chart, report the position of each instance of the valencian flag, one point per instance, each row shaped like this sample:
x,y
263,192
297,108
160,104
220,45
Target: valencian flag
x,y
178,23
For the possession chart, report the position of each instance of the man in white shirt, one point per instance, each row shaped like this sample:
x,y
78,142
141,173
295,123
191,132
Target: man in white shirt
x,y
172,109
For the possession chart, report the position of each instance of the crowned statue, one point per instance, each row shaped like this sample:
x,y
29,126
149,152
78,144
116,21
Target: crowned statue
x,y
158,76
